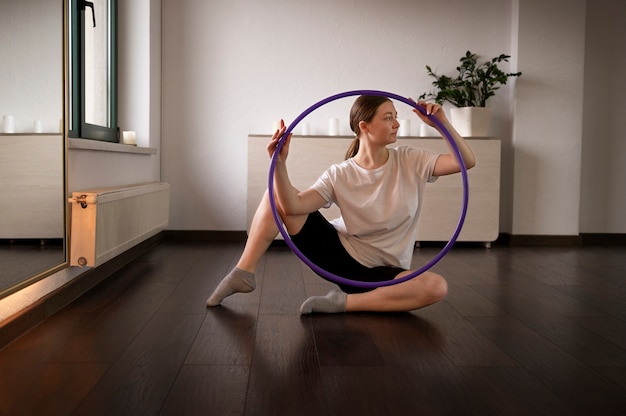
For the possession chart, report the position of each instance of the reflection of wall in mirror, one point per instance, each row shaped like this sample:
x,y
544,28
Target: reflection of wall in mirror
x,y
31,178
31,64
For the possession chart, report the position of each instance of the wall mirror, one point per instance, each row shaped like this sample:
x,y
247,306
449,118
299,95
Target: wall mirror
x,y
33,145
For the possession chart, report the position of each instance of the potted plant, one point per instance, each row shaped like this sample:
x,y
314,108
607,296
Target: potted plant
x,y
469,91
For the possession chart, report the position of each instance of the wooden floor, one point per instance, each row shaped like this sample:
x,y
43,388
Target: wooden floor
x,y
524,331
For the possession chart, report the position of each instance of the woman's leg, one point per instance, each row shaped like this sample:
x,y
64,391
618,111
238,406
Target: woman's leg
x,y
262,232
416,293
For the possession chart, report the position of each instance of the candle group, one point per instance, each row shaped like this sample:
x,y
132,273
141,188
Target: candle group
x,y
427,131
305,128
8,126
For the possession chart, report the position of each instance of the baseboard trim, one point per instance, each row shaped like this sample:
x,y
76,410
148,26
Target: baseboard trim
x,y
517,240
14,327
605,239
504,239
584,239
205,235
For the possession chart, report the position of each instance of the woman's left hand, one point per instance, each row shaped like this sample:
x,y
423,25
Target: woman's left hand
x,y
273,144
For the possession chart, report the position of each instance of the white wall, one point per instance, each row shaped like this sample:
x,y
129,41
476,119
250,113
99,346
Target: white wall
x,y
548,117
231,68
603,197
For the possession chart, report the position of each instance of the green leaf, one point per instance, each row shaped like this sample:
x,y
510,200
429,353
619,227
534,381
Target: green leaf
x,y
472,85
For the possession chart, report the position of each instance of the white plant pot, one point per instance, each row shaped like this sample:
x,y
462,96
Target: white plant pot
x,y
471,121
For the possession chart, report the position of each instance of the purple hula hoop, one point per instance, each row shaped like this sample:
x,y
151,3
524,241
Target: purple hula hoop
x,y
343,280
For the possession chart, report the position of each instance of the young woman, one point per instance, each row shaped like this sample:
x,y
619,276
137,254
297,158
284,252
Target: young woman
x,y
379,190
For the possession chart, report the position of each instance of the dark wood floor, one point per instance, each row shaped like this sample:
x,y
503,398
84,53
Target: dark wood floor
x,y
526,331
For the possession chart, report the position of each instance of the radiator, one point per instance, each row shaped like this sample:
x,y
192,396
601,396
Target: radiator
x,y
107,222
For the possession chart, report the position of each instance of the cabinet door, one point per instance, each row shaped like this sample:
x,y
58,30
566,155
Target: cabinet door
x,y
308,158
443,199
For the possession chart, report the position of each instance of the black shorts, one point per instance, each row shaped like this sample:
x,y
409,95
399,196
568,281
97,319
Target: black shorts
x,y
319,241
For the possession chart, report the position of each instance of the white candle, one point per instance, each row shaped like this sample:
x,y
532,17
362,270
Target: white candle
x,y
427,131
306,129
275,125
128,137
8,124
405,127
37,126
333,127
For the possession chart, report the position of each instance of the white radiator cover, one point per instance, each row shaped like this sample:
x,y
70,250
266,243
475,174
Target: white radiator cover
x,y
106,222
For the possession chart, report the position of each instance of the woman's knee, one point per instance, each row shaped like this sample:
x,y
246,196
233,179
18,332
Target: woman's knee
x,y
293,223
437,287
442,288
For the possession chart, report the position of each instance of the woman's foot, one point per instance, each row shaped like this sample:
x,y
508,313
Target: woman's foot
x,y
333,302
237,281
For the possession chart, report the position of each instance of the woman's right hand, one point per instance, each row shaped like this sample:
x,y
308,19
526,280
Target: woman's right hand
x,y
432,109
273,144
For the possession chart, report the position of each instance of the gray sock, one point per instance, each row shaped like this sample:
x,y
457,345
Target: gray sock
x,y
333,302
236,281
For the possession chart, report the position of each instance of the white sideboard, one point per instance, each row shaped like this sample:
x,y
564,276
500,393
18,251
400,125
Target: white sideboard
x,y
31,182
309,156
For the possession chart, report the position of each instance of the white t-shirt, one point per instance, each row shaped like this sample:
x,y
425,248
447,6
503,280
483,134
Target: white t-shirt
x,y
379,207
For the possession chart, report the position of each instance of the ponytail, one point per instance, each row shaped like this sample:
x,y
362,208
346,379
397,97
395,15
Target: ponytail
x,y
353,149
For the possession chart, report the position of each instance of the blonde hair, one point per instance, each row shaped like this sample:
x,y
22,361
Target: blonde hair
x,y
363,109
